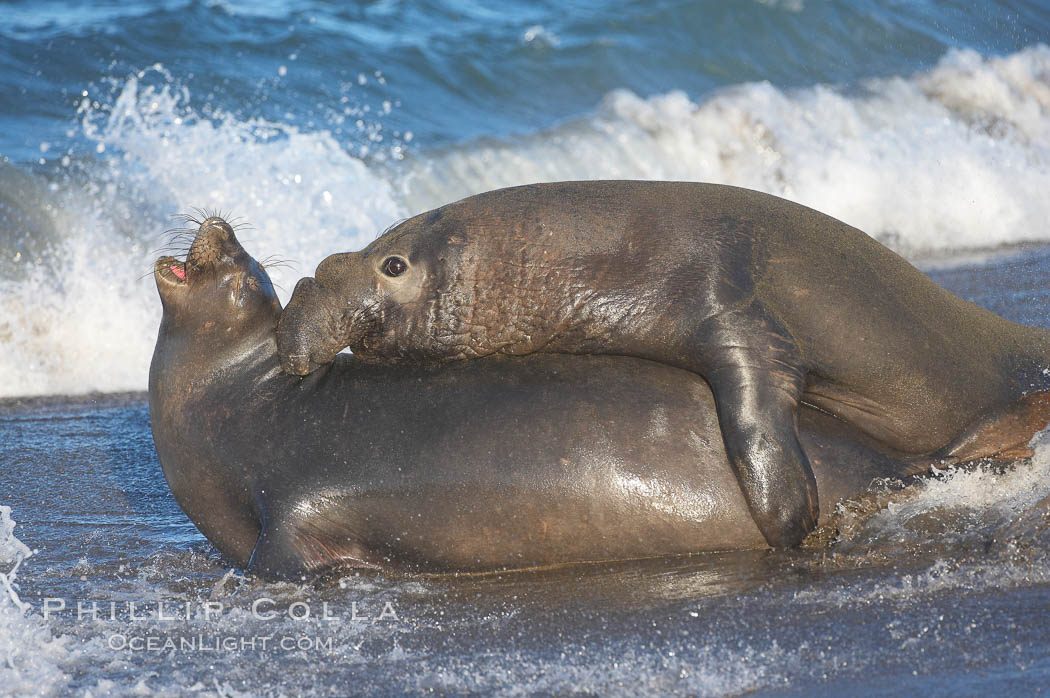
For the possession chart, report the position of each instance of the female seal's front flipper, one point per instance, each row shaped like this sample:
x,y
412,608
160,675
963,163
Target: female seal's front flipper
x,y
755,372
292,549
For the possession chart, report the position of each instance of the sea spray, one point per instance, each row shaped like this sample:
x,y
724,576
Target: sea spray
x,y
84,319
947,506
29,657
976,528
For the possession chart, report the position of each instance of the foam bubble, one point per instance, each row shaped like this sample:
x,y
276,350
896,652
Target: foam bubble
x,y
980,527
12,550
702,671
983,498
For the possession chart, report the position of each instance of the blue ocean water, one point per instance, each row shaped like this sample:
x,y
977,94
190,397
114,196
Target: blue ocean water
x,y
924,123
459,71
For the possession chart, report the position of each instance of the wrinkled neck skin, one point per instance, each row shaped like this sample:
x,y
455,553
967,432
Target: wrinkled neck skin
x,y
498,300
493,305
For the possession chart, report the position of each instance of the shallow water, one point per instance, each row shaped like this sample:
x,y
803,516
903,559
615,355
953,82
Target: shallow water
x,y
925,124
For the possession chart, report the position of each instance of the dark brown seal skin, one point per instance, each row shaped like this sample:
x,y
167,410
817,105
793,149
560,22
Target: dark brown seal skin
x,y
475,466
772,302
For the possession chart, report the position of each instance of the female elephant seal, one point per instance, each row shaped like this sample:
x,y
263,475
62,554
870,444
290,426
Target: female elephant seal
x,y
509,463
772,302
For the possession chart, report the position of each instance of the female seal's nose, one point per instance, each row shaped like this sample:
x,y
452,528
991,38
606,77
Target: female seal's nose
x,y
215,222
214,241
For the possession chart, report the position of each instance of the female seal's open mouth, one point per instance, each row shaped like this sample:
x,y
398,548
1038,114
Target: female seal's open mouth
x,y
171,269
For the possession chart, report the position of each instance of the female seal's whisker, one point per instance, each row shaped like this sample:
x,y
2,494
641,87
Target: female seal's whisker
x,y
207,212
188,218
168,249
179,231
273,261
151,272
179,242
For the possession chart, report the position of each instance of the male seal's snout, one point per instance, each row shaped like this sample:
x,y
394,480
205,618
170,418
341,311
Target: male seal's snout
x,y
328,312
301,329
339,272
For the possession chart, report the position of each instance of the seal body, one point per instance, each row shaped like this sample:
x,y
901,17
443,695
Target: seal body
x,y
773,303
472,466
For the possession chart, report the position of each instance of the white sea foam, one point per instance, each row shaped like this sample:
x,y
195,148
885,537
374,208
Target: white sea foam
x,y
30,658
951,505
954,158
950,511
957,157
705,671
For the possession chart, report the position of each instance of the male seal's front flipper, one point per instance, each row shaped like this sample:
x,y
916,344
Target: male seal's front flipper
x,y
755,372
757,410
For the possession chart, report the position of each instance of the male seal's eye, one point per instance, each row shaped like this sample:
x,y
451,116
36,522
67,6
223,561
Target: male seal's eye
x,y
394,266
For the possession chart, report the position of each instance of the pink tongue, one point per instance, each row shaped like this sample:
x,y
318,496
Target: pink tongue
x,y
178,271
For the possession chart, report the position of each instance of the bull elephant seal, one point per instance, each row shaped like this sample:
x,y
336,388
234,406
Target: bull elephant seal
x,y
475,466
772,302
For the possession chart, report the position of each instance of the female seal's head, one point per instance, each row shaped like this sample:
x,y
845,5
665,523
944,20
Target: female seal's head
x,y
219,289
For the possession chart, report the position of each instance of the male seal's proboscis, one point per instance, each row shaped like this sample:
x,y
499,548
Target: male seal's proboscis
x,y
773,303
469,467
